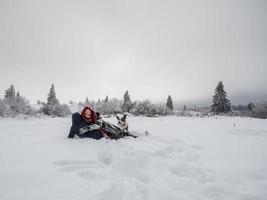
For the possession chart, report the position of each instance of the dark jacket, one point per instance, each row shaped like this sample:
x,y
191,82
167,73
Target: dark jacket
x,y
77,123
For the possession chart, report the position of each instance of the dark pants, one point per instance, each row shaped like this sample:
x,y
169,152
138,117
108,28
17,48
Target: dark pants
x,y
95,134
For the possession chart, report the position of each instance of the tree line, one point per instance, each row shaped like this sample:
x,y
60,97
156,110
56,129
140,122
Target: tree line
x,y
126,105
14,104
221,105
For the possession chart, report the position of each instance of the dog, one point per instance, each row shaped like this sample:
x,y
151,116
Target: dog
x,y
123,124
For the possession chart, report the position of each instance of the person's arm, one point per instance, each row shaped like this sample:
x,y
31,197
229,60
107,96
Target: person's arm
x,y
71,134
104,134
100,123
74,127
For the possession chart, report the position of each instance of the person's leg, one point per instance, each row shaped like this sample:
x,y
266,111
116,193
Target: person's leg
x,y
95,134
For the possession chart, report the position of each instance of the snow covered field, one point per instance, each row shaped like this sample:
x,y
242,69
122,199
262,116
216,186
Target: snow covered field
x,y
183,158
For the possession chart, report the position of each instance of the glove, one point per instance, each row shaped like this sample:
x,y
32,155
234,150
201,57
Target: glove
x,y
89,128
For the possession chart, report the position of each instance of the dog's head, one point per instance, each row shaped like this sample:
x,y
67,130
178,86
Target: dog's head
x,y
122,123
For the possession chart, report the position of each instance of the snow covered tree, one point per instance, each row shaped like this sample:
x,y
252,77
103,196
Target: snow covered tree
x,y
62,110
20,102
162,110
143,108
184,112
23,105
106,99
147,108
51,98
108,107
3,108
221,104
16,104
10,92
127,103
87,102
52,104
10,100
251,107
90,103
260,111
195,108
72,103
169,103
53,107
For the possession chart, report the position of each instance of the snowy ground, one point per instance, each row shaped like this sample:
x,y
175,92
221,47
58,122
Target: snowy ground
x,y
183,158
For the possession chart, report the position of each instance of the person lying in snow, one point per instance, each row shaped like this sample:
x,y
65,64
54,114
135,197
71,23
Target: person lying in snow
x,y
87,124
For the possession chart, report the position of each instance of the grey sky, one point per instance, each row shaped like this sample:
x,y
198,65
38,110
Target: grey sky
x,y
151,48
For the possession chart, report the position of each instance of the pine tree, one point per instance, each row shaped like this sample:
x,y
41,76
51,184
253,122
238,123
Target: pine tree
x,y
19,97
127,103
87,102
72,103
251,107
53,107
169,103
20,103
10,100
221,104
3,108
106,99
23,105
51,98
16,104
10,92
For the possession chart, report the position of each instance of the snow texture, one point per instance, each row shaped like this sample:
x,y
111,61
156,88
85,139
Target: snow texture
x,y
216,158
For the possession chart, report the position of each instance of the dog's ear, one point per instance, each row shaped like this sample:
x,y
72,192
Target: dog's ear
x,y
117,117
98,116
123,118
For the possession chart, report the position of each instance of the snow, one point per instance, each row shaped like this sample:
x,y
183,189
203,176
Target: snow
x,y
182,158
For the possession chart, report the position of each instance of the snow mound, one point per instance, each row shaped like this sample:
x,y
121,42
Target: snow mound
x,y
148,167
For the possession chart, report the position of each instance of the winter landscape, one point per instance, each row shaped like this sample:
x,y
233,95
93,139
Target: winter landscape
x,y
133,100
178,154
181,158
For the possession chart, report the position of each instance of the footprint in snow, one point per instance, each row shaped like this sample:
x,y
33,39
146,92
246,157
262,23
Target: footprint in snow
x,y
74,165
202,176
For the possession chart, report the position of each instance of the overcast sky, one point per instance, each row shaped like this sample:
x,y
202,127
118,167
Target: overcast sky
x,y
152,48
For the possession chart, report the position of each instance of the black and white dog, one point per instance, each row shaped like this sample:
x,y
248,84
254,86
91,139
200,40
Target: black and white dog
x,y
124,125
